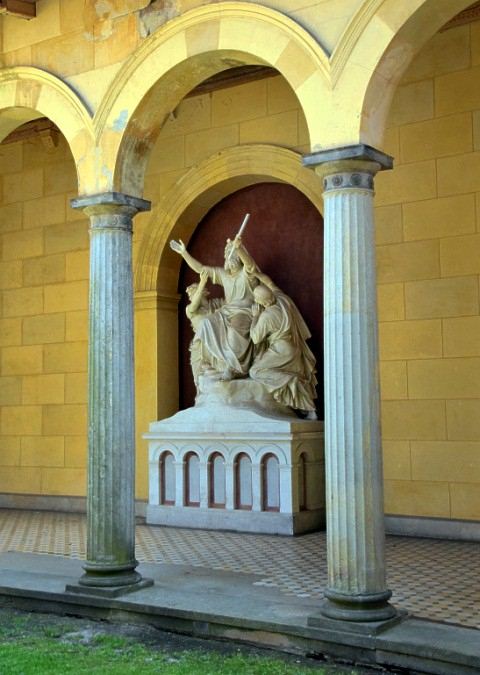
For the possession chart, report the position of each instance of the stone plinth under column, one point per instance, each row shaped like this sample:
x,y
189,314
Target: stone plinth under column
x,y
282,461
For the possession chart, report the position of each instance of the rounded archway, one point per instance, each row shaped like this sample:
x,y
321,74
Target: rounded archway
x,y
199,190
285,237
374,52
186,51
28,93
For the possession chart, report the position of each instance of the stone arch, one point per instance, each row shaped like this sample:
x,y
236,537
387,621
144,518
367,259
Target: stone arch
x,y
371,57
276,450
26,93
244,449
161,449
194,448
182,207
216,448
183,53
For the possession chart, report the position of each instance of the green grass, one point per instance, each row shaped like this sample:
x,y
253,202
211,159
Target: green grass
x,y
118,655
108,654
33,644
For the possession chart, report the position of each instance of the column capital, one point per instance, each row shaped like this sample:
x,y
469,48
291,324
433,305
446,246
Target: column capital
x,y
110,202
352,166
348,153
285,467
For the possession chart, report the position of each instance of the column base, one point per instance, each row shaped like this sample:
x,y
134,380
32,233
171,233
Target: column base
x,y
368,607
366,628
109,579
108,591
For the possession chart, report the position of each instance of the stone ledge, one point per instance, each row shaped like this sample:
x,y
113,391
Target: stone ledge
x,y
211,603
435,528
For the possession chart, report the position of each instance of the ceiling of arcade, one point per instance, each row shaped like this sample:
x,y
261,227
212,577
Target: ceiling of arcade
x,y
26,9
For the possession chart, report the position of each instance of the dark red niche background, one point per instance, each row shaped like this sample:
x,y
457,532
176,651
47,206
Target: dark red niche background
x,y
285,237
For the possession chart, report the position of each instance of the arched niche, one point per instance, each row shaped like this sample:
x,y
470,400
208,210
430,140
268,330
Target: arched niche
x,y
217,481
285,238
189,200
157,268
167,478
243,482
270,483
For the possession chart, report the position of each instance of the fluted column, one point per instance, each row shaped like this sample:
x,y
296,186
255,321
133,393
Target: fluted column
x,y
111,407
357,589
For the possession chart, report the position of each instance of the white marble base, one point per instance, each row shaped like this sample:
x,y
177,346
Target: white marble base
x,y
232,419
264,522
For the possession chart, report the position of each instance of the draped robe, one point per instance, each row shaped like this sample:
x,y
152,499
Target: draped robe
x,y
284,363
224,335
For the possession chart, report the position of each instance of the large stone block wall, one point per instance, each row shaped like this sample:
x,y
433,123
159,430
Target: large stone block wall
x,y
262,111
428,235
75,37
428,248
43,324
44,284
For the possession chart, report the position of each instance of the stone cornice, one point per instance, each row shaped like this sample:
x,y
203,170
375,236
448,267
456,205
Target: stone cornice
x,y
145,300
358,152
110,199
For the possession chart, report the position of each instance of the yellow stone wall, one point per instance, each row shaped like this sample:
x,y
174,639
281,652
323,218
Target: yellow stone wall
x,y
44,279
428,255
43,324
76,36
264,111
428,236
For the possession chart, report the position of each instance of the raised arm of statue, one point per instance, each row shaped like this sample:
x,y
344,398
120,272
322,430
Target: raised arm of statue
x,y
248,262
180,248
266,281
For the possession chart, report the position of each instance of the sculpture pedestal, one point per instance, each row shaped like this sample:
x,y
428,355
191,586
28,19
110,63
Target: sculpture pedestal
x,y
236,461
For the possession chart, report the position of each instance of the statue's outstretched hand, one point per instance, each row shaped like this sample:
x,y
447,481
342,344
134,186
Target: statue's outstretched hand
x,y
204,275
178,246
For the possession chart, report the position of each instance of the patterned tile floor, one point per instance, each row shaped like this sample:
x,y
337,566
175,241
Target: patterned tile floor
x,y
434,579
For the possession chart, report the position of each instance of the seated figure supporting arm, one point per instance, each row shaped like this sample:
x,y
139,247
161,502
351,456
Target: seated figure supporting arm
x,y
196,299
266,280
